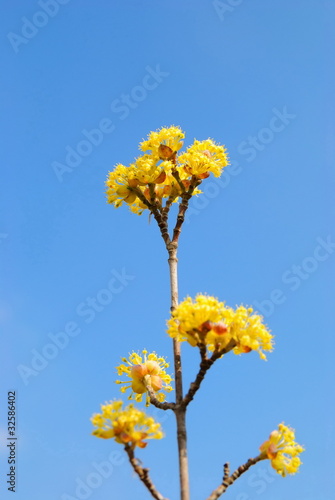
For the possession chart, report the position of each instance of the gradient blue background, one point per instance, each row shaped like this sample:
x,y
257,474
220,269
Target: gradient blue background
x,y
225,73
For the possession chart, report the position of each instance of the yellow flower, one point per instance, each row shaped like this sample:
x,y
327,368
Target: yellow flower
x,y
164,143
119,185
282,450
147,171
190,319
127,426
204,157
250,333
210,322
145,371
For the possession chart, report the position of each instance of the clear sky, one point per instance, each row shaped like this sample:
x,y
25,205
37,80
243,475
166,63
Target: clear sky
x,y
82,83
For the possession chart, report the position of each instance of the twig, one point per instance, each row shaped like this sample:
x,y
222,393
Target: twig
x,y
162,224
205,365
166,209
226,472
228,480
157,403
175,174
179,412
172,246
182,209
142,473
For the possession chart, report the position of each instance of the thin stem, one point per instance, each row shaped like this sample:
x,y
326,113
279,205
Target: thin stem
x,y
228,480
204,367
154,401
166,209
142,473
185,198
175,174
181,411
162,224
226,472
182,453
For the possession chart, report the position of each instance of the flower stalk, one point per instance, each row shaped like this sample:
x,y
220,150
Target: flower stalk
x,y
228,480
180,411
143,474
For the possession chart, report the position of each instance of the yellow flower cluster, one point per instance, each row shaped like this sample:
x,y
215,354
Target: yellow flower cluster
x,y
127,426
206,321
282,450
159,141
145,371
202,158
161,174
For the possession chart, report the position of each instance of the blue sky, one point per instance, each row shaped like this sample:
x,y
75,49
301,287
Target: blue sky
x,y
82,84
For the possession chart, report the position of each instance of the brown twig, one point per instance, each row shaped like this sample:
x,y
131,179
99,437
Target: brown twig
x,y
228,480
166,209
142,473
161,405
182,209
179,411
176,175
152,193
162,224
226,472
172,246
205,365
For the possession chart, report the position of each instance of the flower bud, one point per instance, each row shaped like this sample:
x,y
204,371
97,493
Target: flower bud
x,y
153,367
272,451
156,382
165,152
219,328
138,371
132,183
130,198
161,178
204,175
206,326
138,386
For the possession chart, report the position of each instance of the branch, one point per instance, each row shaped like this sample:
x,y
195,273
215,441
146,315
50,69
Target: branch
x,y
154,401
183,207
226,472
142,473
228,480
205,365
162,223
179,412
168,204
175,174
152,206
